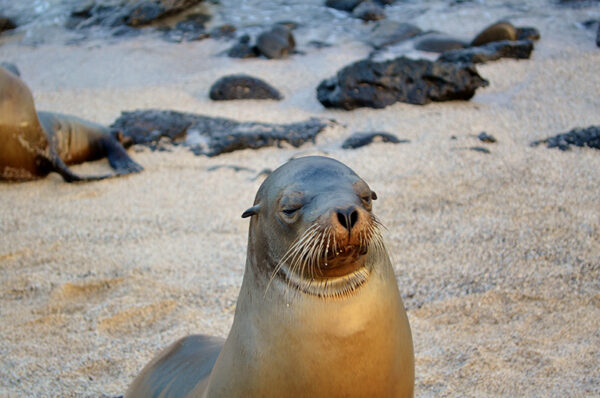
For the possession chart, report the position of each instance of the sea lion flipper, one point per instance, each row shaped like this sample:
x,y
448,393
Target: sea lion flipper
x,y
61,168
118,157
178,369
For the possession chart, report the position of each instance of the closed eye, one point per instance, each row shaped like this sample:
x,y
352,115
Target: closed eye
x,y
290,212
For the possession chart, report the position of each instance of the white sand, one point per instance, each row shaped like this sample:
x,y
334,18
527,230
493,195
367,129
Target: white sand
x,y
497,256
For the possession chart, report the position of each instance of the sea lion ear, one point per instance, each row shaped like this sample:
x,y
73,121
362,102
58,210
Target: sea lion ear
x,y
251,211
373,195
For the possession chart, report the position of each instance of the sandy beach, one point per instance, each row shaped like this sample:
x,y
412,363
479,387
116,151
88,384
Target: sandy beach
x,y
497,255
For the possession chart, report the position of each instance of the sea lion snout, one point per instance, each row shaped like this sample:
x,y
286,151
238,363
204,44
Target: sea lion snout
x,y
347,217
350,225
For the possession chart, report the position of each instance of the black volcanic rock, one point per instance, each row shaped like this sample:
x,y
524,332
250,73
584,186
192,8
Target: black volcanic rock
x,y
520,49
242,87
358,140
210,136
368,11
276,43
379,84
6,24
243,49
190,29
485,137
387,32
580,137
147,11
225,31
480,149
344,5
439,43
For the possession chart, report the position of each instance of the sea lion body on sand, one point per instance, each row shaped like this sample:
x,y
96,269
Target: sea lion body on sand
x,y
33,144
499,31
319,313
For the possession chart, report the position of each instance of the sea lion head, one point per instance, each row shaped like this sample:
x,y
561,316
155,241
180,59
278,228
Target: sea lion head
x,y
312,227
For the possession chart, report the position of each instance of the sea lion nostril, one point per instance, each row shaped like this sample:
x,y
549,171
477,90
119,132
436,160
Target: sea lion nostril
x,y
347,217
353,218
342,219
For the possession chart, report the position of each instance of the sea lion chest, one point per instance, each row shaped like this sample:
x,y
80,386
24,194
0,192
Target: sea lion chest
x,y
356,347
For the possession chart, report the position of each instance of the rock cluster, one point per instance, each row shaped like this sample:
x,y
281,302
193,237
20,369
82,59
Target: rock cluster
x,y
125,16
277,42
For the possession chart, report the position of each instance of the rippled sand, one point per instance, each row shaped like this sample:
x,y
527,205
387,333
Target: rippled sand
x,y
497,255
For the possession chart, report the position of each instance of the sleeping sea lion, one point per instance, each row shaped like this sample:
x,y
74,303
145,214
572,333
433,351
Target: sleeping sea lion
x,y
33,144
499,31
319,313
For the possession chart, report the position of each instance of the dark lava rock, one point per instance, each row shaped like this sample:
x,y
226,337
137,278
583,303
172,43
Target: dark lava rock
x,y
191,29
242,87
276,43
223,31
528,33
378,84
11,67
147,11
318,44
593,24
232,167
580,137
485,137
211,136
480,149
496,32
130,13
577,3
439,43
6,24
368,11
357,140
243,49
590,23
520,49
387,32
144,13
344,5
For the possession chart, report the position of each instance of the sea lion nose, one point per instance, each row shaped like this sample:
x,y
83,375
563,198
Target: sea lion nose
x,y
347,217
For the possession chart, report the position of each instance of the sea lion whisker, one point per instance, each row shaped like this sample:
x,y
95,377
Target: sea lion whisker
x,y
326,252
319,253
291,252
303,254
311,254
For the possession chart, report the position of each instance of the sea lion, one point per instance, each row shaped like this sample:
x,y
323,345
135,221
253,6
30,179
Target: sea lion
x,y
496,32
319,313
33,144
